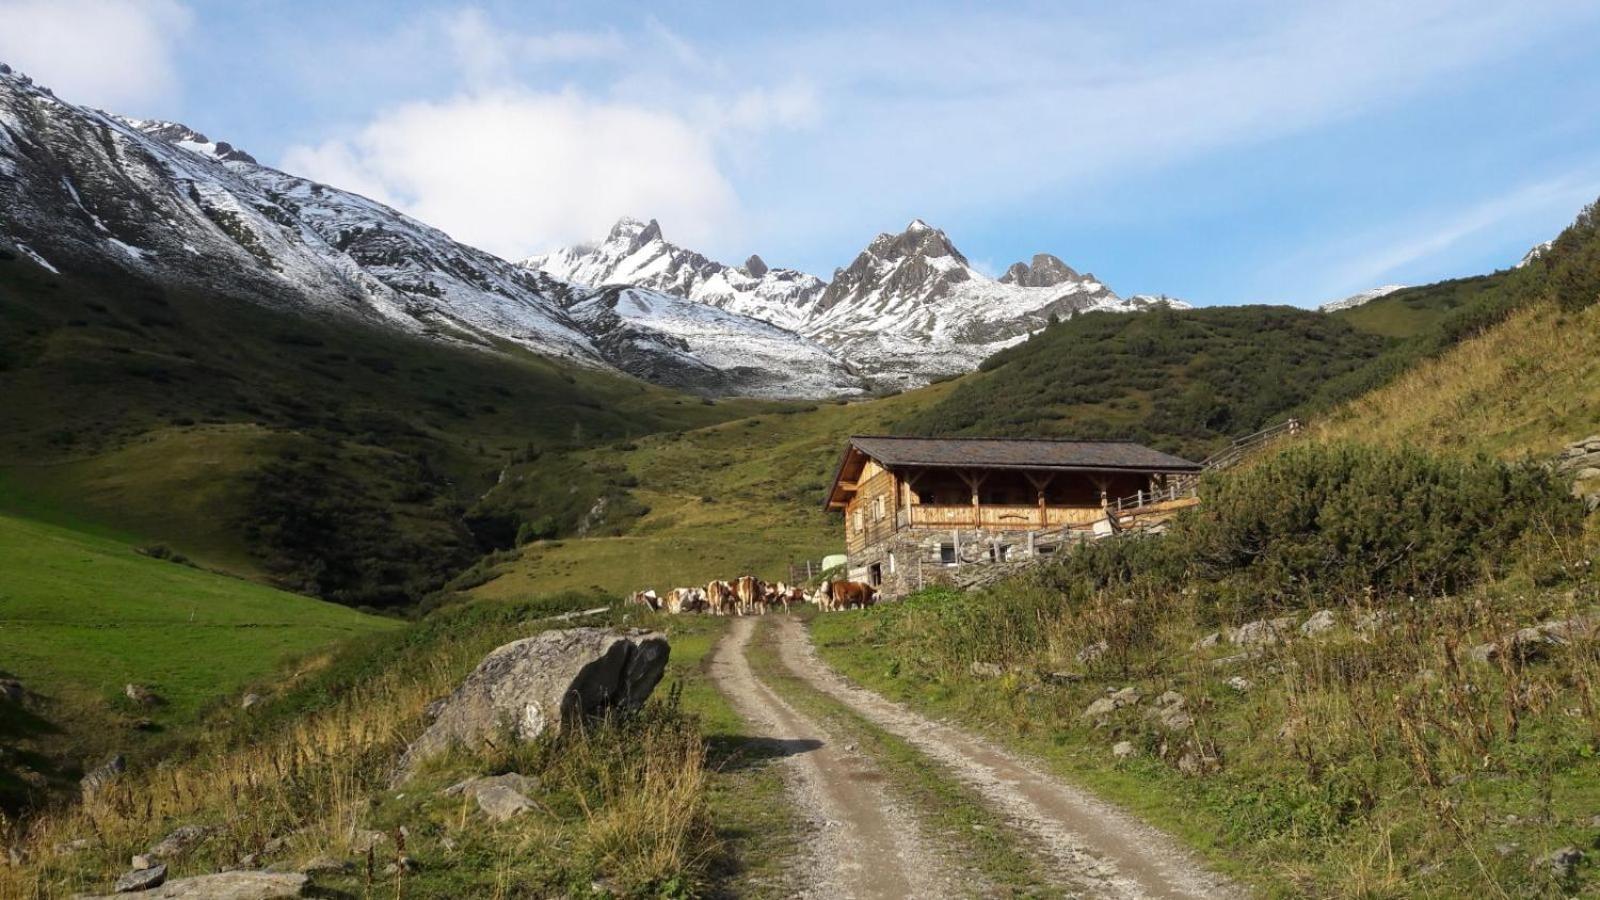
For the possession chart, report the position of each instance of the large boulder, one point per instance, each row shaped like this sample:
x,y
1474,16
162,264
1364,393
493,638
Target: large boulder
x,y
536,684
224,886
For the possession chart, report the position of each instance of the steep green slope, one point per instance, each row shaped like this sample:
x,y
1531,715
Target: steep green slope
x,y
261,441
82,615
1179,380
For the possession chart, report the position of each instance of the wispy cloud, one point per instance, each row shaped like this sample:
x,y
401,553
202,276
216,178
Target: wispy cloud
x,y
110,53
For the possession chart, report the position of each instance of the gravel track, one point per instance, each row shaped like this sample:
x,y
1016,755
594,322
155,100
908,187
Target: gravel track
x,y
863,843
1094,847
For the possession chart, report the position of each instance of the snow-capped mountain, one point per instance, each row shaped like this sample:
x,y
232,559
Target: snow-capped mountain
x,y
82,189
1534,252
635,253
908,309
1354,300
689,344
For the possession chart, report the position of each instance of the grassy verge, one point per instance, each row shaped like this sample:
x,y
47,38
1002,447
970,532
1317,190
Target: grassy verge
x,y
1355,765
304,775
81,616
955,815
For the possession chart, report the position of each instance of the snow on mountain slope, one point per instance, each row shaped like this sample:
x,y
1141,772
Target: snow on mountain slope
x,y
908,309
635,253
1534,252
83,188
89,190
685,343
1355,300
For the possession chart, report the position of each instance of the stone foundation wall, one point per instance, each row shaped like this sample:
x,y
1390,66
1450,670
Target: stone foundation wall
x,y
911,560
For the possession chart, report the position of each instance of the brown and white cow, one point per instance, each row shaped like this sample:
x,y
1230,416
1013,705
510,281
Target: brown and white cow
x,y
847,594
752,595
720,600
685,599
646,599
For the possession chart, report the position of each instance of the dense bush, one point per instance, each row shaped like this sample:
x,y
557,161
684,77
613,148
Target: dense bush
x,y
1337,521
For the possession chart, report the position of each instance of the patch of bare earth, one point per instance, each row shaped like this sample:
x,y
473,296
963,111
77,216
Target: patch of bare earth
x,y
863,842
1093,846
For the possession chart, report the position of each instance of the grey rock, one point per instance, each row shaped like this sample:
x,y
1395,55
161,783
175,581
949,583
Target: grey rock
x,y
1241,684
103,775
1093,652
225,886
76,845
249,700
403,864
538,683
1587,473
1370,622
141,695
12,690
325,864
1320,621
1171,699
1111,703
1561,864
982,669
1207,642
499,796
1262,632
179,842
1505,850
1123,749
142,861
142,879
364,839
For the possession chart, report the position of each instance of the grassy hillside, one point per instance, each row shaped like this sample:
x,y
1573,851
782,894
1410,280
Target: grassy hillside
x,y
739,497
1182,381
1418,311
226,429
83,615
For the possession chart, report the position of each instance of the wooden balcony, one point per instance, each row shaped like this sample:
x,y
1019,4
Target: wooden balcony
x,y
1001,518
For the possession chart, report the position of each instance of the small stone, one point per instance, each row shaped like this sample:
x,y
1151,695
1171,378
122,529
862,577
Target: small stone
x,y
1456,780
12,690
985,669
179,842
1505,850
141,695
77,845
325,864
249,700
103,775
250,861
1262,632
1587,473
1559,863
403,864
447,843
1170,698
142,861
363,840
1240,683
1320,621
142,879
1093,652
234,885
1207,642
1123,749
1484,653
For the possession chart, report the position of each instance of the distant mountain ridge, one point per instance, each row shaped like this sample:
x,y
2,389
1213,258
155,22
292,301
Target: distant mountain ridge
x,y
83,188
909,308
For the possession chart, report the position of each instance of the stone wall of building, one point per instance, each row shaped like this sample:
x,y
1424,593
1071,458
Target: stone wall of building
x,y
910,560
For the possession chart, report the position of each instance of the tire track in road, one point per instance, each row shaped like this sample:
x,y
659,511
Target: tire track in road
x,y
1095,846
865,844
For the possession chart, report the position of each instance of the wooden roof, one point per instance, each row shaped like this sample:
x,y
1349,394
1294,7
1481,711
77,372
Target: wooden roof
x,y
1050,454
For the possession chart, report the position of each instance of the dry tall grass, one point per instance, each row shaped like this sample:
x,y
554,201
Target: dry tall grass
x,y
621,799
1530,384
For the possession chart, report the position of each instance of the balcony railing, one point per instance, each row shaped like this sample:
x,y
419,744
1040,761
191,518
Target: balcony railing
x,y
1001,517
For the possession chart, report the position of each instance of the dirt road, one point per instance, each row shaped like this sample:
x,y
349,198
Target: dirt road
x,y
1093,847
864,843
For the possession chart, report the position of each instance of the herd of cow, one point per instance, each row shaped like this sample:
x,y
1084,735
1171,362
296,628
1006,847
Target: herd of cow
x,y
750,596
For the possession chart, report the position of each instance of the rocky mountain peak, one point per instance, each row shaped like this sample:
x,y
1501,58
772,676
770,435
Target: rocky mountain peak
x,y
633,234
919,239
1047,270
755,266
181,135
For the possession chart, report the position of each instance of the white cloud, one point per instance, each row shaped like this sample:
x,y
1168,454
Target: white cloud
x,y
489,55
111,53
516,172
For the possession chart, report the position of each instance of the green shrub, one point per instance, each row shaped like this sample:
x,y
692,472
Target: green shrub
x,y
1347,520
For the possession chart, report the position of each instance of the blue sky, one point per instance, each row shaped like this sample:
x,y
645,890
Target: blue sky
x,y
1221,152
